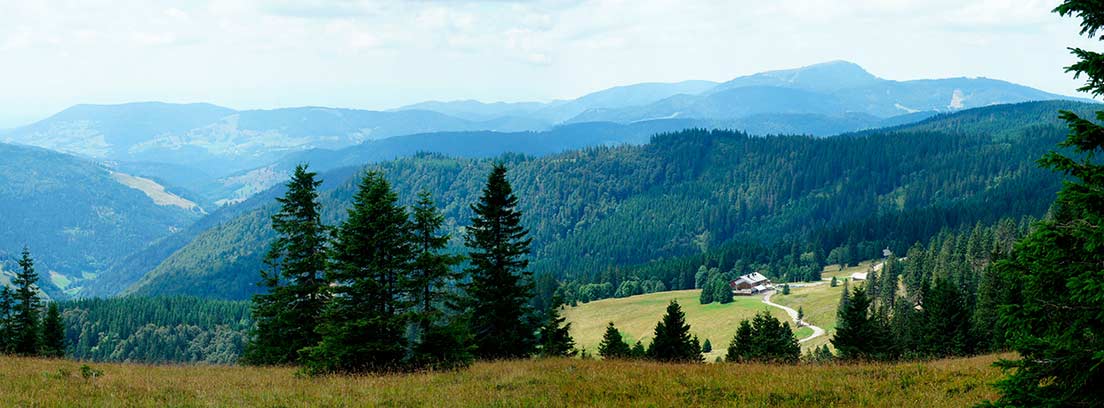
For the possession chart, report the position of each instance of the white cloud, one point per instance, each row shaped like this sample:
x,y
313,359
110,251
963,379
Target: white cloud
x,y
383,53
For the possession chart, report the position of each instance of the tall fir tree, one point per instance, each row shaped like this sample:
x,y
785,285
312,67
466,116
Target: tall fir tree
x,y
53,333
363,326
739,349
442,339
1056,319
672,340
7,332
501,288
287,314
946,321
555,334
860,335
25,319
613,345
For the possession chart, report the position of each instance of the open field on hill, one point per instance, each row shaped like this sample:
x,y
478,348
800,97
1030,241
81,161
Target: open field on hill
x,y
551,382
819,303
636,317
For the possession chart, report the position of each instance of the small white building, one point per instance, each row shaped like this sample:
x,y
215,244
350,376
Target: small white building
x,y
858,276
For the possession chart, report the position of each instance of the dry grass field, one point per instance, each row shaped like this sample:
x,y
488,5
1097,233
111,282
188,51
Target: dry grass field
x,y
552,383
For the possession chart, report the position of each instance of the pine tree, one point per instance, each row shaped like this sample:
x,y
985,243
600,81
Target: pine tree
x,y
288,313
53,333
363,326
707,347
672,340
639,351
785,289
500,289
1056,319
722,292
7,332
800,315
707,292
739,349
859,334
613,346
555,334
25,322
834,282
946,321
443,341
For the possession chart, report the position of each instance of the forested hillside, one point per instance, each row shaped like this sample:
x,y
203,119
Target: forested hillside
x,y
161,330
693,192
75,215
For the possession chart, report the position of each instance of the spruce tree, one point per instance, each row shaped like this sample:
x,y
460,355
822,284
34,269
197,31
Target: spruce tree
x,y
739,349
859,334
613,346
638,351
707,346
7,332
672,341
363,326
1056,319
443,340
287,314
498,295
555,334
722,292
25,321
53,333
946,321
707,292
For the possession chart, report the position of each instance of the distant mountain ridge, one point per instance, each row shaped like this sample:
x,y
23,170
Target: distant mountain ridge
x,y
220,155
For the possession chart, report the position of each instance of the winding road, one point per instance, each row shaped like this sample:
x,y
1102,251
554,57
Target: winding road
x,y
817,332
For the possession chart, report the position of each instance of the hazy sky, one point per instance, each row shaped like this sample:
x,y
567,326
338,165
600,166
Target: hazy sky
x,y
382,54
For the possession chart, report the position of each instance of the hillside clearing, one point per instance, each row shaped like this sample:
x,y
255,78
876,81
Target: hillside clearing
x,y
551,382
636,317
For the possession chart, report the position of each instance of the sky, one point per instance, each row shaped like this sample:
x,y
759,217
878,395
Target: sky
x,y
374,54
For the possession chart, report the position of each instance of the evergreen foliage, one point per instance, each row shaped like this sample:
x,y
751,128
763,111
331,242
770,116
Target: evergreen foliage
x,y
1055,316
53,333
859,334
555,335
25,321
613,345
672,341
501,288
443,340
707,346
156,330
7,322
363,326
288,313
764,339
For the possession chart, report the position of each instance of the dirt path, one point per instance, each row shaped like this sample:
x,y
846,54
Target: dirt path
x,y
817,332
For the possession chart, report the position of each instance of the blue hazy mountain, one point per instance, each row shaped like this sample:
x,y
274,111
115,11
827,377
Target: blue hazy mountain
x,y
219,140
833,90
79,216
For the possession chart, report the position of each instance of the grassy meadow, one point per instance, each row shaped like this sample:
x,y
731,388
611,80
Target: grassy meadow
x,y
551,383
636,317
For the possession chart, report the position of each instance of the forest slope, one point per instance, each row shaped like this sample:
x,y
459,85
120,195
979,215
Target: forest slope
x,y
688,192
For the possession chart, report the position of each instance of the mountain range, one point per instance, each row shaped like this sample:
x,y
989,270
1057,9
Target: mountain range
x,y
108,193
219,155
